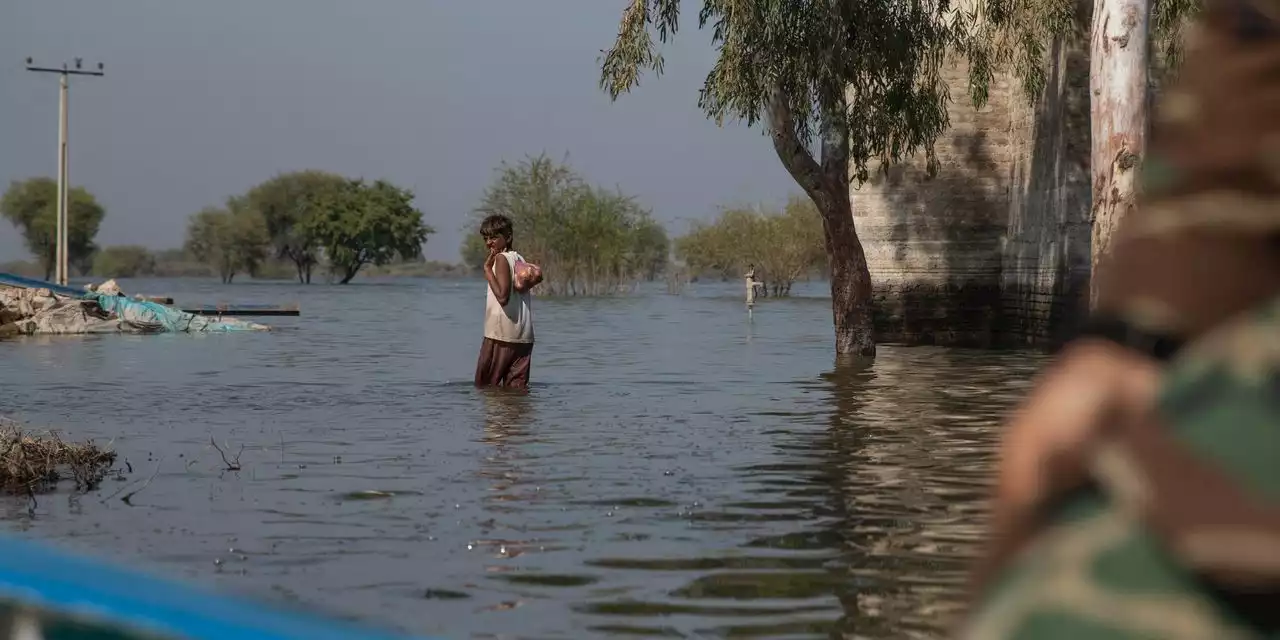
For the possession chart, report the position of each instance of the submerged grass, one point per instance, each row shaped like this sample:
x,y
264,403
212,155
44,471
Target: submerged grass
x,y
32,462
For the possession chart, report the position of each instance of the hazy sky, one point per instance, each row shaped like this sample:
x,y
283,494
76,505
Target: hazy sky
x,y
203,99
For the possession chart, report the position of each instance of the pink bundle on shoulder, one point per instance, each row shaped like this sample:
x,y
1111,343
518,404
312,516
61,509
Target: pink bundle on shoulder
x,y
528,275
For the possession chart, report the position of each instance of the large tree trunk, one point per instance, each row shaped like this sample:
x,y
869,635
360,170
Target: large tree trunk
x,y
1118,61
850,278
827,184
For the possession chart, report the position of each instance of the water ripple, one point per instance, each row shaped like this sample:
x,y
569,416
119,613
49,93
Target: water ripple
x,y
675,471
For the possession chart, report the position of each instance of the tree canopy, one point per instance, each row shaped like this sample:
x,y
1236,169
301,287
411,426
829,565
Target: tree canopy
x,y
1014,37
869,70
359,223
588,240
285,202
32,206
231,239
841,86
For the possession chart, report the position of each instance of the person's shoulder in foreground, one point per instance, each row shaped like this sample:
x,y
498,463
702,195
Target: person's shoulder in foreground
x,y
1140,486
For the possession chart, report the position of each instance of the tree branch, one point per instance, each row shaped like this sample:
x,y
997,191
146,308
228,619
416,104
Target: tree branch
x,y
232,465
791,151
835,147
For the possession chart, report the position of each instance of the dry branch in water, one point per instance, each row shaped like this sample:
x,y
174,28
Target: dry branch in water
x,y
232,465
37,462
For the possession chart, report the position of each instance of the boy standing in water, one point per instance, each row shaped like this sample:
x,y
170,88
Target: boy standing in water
x,y
505,354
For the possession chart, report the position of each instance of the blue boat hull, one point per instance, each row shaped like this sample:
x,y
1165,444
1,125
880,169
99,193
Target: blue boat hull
x,y
69,597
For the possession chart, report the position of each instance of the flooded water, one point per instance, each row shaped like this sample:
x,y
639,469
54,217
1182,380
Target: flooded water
x,y
675,471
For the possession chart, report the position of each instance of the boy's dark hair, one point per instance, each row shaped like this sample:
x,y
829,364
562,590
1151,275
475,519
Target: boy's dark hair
x,y
496,225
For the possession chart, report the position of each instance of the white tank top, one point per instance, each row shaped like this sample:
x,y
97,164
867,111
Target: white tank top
x,y
512,322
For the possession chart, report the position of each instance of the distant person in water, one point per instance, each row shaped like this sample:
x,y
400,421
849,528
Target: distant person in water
x,y
507,351
752,284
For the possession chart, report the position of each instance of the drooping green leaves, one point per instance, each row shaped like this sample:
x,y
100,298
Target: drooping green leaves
x,y
872,68
1012,36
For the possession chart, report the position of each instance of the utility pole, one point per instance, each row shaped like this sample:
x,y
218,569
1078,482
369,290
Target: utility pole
x,y
64,186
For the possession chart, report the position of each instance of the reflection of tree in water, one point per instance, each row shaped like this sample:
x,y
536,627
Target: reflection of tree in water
x,y
895,485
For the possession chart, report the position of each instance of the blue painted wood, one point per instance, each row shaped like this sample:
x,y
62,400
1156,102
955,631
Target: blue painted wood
x,y
32,283
62,585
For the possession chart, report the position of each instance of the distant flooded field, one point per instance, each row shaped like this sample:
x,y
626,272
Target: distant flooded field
x,y
675,471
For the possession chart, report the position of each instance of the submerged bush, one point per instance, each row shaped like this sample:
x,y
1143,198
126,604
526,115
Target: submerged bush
x,y
783,245
588,240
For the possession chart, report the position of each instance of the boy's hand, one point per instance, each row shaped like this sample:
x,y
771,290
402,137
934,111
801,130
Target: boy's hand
x,y
488,262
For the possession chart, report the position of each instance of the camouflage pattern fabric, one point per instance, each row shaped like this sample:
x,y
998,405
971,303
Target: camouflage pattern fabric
x,y
1180,538
1178,535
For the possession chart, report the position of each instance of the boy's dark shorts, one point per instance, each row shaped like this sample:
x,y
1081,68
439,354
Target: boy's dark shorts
x,y
504,364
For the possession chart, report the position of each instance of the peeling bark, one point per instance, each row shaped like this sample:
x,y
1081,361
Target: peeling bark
x,y
1118,77
827,184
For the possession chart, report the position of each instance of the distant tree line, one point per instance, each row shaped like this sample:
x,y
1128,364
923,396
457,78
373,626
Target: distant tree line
x,y
589,239
306,218
133,261
310,218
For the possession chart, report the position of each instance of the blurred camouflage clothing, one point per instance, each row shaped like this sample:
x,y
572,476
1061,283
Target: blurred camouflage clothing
x,y
1180,538
1179,534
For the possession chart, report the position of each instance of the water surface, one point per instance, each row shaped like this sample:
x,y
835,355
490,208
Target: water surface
x,y
675,471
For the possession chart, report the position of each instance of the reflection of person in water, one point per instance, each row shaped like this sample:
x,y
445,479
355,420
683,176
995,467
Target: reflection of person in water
x,y
506,411
505,416
1142,475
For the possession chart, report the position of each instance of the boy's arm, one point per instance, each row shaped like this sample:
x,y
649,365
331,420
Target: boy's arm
x,y
500,282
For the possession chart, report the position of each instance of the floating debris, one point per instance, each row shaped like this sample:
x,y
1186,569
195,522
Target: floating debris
x,y
368,495
29,307
34,462
445,594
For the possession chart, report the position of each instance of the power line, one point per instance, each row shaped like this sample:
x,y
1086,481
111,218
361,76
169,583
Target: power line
x,y
61,258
